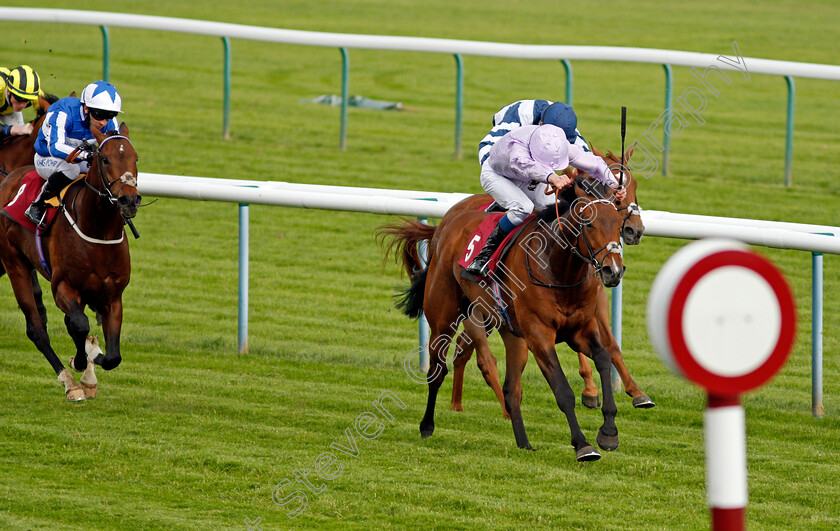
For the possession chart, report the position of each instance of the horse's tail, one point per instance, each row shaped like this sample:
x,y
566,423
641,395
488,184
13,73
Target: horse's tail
x,y
404,237
410,300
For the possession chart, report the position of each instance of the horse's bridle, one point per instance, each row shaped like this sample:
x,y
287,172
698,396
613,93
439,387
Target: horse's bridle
x,y
592,259
632,209
126,178
610,247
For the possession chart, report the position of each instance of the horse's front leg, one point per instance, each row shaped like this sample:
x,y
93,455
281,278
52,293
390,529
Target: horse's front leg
x,y
78,326
588,340
640,399
589,396
541,343
111,325
602,314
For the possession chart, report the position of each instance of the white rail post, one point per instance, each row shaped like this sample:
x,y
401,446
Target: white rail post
x,y
423,332
243,277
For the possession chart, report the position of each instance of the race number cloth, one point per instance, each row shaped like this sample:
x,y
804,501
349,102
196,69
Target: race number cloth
x,y
479,237
28,192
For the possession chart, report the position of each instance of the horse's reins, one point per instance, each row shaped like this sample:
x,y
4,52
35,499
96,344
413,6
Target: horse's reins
x,y
107,195
126,178
592,259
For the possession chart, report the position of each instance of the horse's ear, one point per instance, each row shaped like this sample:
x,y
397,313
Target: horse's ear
x,y
595,150
43,103
73,94
97,135
629,153
124,130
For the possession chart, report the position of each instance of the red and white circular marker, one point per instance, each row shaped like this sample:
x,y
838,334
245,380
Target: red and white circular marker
x,y
724,318
721,316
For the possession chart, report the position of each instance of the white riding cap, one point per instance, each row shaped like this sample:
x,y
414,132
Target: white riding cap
x,y
102,95
548,145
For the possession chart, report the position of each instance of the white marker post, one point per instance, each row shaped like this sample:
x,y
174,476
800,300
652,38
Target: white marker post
x,y
724,318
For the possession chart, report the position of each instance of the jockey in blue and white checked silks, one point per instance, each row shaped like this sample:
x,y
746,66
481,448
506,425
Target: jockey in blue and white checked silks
x,y
66,127
531,112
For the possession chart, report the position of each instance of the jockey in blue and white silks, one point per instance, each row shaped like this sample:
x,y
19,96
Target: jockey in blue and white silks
x,y
531,112
519,168
66,127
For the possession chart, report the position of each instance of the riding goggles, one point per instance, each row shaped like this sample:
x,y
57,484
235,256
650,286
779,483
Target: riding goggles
x,y
99,114
18,99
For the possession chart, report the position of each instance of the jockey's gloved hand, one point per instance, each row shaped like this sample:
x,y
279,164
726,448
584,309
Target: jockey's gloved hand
x,y
90,144
84,156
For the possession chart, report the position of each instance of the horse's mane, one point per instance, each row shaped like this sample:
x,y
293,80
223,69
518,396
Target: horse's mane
x,y
40,111
592,186
549,214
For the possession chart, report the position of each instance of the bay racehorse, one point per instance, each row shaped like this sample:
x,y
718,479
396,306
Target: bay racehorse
x,y
19,150
85,257
557,248
631,231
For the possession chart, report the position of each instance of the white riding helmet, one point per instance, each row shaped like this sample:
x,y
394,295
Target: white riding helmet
x,y
102,95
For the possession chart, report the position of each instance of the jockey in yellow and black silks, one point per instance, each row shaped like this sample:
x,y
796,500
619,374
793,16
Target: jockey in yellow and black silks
x,y
20,88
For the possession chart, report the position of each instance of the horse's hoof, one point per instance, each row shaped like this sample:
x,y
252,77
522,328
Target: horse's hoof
x,y
426,431
643,402
528,447
90,390
506,415
456,407
607,442
591,402
588,453
75,395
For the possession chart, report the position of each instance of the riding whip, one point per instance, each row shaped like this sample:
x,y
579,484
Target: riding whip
x,y
623,131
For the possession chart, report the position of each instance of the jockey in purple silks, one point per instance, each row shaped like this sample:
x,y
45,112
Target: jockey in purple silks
x,y
519,168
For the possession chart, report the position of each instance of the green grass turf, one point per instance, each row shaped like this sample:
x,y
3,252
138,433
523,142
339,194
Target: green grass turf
x,y
189,434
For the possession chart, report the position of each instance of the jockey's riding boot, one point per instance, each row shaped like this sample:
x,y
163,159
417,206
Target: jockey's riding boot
x,y
479,264
52,187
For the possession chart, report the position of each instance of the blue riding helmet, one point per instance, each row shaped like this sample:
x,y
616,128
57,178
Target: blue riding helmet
x,y
564,117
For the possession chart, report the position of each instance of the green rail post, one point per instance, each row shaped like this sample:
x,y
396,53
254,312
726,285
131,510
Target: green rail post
x,y
106,54
345,91
226,119
669,101
567,66
789,139
459,102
